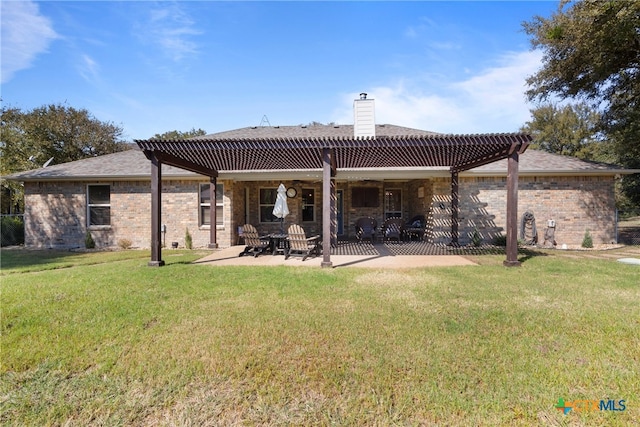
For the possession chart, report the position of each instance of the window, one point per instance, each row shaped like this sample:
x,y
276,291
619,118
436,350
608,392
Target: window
x,y
392,203
98,205
205,204
308,204
364,197
267,202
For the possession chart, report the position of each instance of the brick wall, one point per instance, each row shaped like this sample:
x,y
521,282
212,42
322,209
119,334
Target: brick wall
x,y
577,204
55,213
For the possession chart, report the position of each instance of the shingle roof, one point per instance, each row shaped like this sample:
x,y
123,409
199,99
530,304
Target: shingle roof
x,y
312,131
129,165
542,162
133,165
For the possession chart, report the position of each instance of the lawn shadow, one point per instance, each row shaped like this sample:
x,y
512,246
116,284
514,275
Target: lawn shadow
x,y
527,254
11,258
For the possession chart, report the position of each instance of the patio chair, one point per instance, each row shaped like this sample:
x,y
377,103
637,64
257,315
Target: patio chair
x,y
301,245
366,229
255,244
416,227
393,228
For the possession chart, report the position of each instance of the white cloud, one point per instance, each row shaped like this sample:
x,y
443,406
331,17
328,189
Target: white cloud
x,y
171,28
89,69
491,101
25,34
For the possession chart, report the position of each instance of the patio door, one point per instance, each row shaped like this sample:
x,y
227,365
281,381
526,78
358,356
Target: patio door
x,y
392,203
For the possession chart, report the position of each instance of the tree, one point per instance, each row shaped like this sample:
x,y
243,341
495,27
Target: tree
x,y
570,130
58,132
591,53
65,133
175,134
315,123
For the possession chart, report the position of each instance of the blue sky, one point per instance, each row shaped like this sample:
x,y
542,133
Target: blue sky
x,y
152,67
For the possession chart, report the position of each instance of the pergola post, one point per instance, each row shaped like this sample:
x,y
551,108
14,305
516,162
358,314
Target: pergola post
x,y
213,214
512,209
455,208
156,212
334,214
327,213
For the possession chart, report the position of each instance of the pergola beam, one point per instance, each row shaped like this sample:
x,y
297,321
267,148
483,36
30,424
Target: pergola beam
x,y
172,160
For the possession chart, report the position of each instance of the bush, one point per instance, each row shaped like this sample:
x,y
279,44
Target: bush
x,y
89,243
124,243
500,240
12,231
476,238
587,242
188,241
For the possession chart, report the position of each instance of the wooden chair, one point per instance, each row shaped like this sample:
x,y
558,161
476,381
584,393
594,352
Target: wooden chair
x,y
301,245
366,229
393,228
255,244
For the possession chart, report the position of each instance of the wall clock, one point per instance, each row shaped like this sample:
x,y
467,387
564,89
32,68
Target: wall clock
x,y
291,192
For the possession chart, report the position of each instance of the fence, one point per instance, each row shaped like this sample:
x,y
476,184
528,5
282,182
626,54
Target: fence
x,y
628,229
11,230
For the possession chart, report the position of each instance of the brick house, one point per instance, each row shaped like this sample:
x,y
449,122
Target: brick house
x,y
111,196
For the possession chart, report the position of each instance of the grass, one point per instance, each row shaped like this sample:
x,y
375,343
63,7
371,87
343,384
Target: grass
x,y
102,339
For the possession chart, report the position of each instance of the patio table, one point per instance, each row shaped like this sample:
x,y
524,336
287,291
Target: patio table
x,y
278,243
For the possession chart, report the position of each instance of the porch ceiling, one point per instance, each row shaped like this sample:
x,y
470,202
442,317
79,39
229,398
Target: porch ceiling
x,y
457,152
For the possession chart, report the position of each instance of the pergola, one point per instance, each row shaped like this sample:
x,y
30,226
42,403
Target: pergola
x,y
209,156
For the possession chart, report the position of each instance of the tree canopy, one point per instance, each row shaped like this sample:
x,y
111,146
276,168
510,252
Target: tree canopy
x,y
591,54
591,49
52,133
570,130
31,138
176,134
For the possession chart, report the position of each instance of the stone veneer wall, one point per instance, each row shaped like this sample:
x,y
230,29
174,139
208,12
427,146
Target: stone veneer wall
x,y
55,214
577,204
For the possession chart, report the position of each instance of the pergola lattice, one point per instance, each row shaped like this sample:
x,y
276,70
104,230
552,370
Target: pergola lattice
x,y
209,156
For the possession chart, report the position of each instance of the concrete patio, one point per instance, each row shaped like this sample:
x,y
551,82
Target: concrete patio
x,y
351,254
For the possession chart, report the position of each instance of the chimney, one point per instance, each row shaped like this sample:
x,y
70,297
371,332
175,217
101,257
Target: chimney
x,y
364,120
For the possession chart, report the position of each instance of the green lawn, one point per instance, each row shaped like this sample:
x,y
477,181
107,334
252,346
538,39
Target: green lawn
x,y
102,339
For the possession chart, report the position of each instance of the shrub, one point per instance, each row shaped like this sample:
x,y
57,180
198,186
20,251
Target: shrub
x,y
476,238
587,242
500,240
12,231
89,243
188,241
124,243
